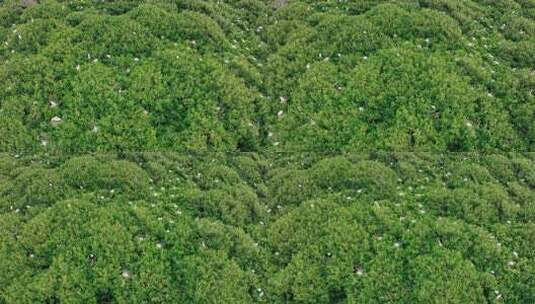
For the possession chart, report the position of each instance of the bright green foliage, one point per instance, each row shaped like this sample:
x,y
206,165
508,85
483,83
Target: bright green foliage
x,y
128,76
267,151
159,75
400,76
273,228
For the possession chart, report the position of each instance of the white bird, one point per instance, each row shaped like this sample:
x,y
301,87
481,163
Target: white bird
x,y
55,121
126,274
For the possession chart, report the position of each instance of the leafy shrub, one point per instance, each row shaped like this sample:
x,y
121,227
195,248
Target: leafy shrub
x,y
164,227
122,123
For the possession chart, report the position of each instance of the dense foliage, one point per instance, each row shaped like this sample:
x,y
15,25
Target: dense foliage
x,y
273,228
285,151
182,75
